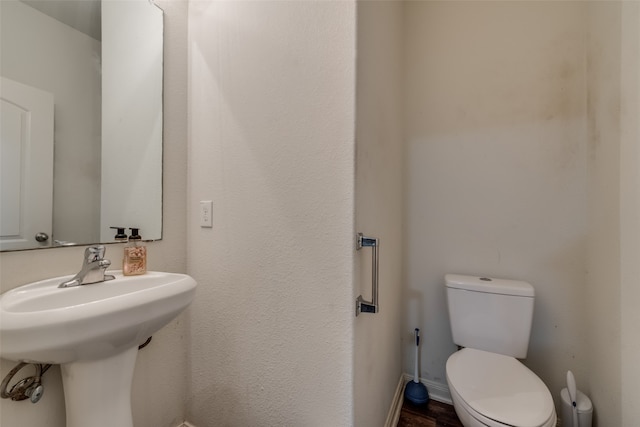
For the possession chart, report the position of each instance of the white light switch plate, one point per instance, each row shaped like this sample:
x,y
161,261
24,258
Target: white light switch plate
x,y
206,207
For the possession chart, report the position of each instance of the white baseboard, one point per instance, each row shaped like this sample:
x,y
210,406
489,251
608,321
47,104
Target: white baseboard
x,y
186,424
396,405
437,391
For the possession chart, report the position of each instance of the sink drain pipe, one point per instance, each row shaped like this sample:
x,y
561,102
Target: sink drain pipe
x,y
27,388
31,387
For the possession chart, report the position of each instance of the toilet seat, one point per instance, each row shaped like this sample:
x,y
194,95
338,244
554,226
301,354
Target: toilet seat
x,y
498,390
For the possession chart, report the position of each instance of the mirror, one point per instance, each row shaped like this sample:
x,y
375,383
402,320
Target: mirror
x,y
81,111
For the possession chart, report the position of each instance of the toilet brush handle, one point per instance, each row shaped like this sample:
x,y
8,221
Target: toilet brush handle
x,y
415,370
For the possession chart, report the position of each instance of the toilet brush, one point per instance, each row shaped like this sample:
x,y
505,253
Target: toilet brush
x,y
415,392
571,387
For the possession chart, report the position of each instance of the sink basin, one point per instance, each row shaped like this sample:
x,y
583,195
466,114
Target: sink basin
x,y
40,322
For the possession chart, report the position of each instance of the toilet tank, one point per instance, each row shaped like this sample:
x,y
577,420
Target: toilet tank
x,y
490,314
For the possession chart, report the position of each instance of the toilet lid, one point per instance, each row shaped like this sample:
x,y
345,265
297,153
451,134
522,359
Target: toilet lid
x,y
500,388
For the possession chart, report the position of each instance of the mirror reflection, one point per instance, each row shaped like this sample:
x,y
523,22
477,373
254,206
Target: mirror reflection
x,y
81,111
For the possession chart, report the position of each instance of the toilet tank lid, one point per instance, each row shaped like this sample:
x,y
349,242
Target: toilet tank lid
x,y
489,285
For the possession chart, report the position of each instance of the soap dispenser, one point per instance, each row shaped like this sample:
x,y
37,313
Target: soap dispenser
x,y
120,235
135,255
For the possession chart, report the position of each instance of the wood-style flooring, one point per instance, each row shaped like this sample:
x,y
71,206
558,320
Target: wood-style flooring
x,y
433,414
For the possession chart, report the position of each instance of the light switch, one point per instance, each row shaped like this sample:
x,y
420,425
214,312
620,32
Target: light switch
x,y
206,207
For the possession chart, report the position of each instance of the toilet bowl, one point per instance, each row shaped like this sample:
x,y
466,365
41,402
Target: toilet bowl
x,y
494,390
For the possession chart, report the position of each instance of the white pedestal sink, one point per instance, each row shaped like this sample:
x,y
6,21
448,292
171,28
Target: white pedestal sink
x,y
93,332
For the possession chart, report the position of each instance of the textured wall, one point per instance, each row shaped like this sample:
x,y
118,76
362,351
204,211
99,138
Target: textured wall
x,y
603,284
160,380
379,206
271,113
630,211
497,163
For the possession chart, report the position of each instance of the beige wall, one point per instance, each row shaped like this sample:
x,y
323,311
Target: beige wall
x,y
379,206
630,211
603,262
160,380
271,116
497,163
522,157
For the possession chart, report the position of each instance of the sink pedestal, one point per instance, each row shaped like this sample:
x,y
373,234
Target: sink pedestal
x,y
97,393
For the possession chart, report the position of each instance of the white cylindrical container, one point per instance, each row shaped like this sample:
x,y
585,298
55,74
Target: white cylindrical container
x,y
585,409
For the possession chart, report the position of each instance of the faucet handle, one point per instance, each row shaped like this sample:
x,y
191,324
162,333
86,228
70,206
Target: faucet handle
x,y
94,253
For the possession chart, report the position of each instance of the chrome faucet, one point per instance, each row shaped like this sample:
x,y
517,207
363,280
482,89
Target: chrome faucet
x,y
93,268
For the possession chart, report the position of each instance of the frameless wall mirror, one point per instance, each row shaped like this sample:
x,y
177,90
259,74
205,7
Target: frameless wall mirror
x,y
81,121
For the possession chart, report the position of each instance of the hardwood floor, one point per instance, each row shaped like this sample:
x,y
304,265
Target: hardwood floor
x,y
433,414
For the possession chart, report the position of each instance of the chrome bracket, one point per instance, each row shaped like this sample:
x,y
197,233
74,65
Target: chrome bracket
x,y
362,305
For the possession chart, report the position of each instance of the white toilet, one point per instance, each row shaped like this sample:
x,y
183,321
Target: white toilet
x,y
491,319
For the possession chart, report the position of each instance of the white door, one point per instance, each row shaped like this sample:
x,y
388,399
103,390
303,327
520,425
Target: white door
x,y
26,165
